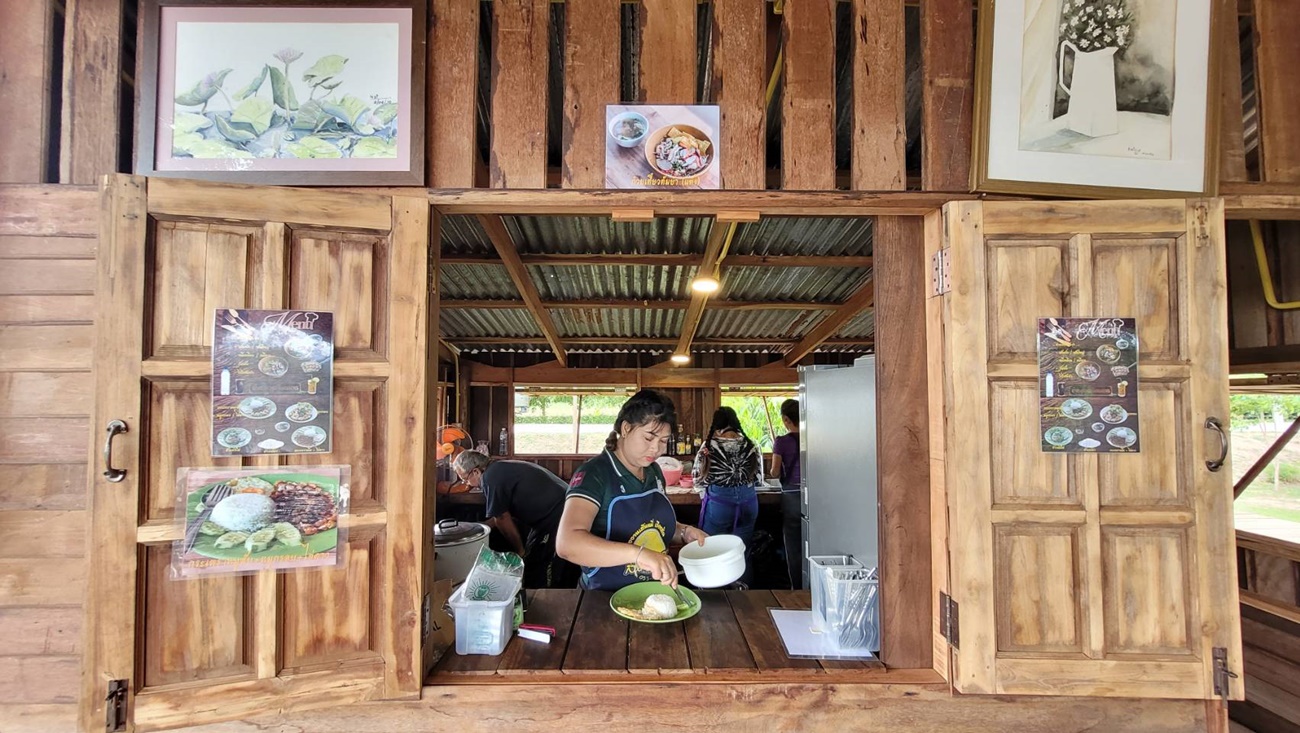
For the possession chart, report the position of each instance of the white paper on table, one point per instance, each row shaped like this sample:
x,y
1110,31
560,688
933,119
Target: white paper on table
x,y
801,642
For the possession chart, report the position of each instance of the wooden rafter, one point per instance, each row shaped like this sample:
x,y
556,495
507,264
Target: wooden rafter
x,y
858,302
508,304
505,247
663,260
718,236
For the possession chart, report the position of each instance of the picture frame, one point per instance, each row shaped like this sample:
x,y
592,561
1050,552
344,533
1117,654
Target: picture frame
x,y
292,93
1080,98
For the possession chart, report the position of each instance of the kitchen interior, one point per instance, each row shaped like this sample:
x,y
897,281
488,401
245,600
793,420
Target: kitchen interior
x,y
793,318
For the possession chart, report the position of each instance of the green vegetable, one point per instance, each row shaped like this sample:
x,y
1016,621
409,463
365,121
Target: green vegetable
x,y
260,540
287,534
229,540
212,529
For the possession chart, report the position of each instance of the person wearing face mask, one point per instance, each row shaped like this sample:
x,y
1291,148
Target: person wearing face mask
x,y
617,522
728,470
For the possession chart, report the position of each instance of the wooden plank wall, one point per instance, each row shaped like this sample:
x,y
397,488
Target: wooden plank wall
x,y
24,93
47,276
665,40
1269,575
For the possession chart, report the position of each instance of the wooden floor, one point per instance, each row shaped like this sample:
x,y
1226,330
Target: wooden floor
x,y
731,638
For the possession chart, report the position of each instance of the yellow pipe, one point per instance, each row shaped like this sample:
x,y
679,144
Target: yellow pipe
x,y
1265,277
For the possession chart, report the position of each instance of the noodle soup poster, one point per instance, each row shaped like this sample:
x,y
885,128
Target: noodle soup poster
x,y
237,521
662,146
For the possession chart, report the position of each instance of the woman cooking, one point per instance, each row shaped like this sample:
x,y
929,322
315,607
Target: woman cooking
x,y
617,521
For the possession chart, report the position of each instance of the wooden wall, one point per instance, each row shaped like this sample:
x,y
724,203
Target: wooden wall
x,y
1269,575
47,276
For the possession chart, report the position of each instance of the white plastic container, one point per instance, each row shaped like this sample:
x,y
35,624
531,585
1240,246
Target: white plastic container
x,y
718,562
482,627
818,568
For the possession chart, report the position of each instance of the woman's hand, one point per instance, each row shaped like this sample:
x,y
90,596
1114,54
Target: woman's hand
x,y
690,534
660,566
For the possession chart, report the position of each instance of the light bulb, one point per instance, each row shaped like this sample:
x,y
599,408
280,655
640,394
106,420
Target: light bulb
x,y
705,284
681,358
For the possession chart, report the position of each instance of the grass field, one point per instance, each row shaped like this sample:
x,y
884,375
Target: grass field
x,y
1266,497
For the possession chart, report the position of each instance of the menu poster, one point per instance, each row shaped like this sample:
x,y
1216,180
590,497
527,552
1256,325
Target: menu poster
x,y
272,382
242,520
662,146
1088,385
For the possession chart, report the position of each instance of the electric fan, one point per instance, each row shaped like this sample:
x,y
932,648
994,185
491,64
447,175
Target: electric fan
x,y
452,441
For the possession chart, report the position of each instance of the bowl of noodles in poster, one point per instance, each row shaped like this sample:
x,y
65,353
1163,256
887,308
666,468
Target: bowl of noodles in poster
x,y
679,151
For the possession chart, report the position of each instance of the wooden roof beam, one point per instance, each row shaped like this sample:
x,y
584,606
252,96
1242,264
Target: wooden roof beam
x,y
664,260
505,247
507,304
858,302
464,341
719,235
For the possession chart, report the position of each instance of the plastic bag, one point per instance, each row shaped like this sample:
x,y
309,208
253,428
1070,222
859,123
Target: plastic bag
x,y
496,576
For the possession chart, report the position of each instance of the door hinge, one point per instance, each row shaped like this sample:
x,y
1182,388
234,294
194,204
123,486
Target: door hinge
x,y
1201,227
940,274
115,710
426,617
1221,672
949,623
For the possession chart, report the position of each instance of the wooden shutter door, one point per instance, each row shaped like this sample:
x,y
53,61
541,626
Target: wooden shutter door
x,y
229,647
1099,574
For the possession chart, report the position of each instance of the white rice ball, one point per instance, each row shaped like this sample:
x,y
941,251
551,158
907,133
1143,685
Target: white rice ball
x,y
244,512
659,606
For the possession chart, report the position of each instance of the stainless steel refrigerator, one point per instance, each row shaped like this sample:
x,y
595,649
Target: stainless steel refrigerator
x,y
837,455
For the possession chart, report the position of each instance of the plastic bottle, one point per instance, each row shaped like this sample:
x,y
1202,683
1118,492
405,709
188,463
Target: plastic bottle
x,y
502,448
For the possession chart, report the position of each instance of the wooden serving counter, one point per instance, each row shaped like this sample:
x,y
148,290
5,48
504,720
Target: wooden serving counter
x,y
731,638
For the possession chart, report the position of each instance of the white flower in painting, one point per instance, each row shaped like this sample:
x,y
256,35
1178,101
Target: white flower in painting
x,y
1063,27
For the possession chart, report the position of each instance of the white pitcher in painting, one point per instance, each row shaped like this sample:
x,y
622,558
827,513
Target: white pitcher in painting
x,y
1092,109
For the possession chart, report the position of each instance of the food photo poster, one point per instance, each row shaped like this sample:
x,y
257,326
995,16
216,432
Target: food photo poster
x,y
272,382
245,520
662,146
1088,385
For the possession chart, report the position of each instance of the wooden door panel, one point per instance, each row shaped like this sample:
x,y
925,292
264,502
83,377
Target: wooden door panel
x,y
1084,574
1159,480
1021,477
359,436
345,273
196,268
1036,570
1148,606
1037,273
194,630
218,648
1138,278
179,435
328,615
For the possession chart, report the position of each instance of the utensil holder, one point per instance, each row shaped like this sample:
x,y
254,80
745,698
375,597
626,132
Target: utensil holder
x,y
818,567
852,601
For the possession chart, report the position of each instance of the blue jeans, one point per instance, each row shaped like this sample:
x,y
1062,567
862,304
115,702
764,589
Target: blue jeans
x,y
731,510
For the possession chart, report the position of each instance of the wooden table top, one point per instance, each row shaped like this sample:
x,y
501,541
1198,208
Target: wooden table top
x,y
731,638
676,495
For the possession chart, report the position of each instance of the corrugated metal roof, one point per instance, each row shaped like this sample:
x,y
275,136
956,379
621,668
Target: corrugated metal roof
x,y
537,235
783,325
470,322
616,282
861,326
804,235
476,281
618,322
800,284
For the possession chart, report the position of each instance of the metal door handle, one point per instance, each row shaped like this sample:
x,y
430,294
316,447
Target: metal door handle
x,y
1212,423
114,475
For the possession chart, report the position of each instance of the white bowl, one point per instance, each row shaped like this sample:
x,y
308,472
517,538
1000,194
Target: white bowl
x,y
628,142
718,562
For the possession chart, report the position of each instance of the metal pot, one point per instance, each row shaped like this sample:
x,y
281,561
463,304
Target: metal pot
x,y
456,546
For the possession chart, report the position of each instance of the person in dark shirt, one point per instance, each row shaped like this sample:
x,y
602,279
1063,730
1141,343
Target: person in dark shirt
x,y
524,502
785,466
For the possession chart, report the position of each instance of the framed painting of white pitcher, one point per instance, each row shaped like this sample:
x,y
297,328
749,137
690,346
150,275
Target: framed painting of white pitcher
x,y
1096,98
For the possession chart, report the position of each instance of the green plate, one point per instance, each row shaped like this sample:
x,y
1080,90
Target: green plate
x,y
633,596
319,542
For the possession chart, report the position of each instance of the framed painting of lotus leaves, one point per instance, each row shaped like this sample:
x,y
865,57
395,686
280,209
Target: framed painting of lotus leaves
x,y
255,92
1096,98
